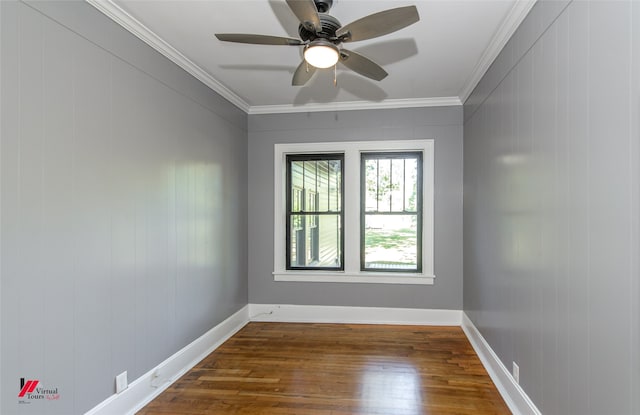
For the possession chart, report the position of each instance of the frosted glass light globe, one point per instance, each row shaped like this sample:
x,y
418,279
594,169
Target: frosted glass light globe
x,y
321,54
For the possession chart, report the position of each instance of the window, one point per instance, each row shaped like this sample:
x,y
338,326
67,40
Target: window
x,y
391,212
354,212
314,212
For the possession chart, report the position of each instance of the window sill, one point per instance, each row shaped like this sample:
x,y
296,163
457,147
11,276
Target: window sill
x,y
358,278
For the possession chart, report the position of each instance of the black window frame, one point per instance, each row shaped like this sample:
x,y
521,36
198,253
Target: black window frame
x,y
378,155
288,208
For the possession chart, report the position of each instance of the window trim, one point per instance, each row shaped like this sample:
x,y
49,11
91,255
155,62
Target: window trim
x,y
351,212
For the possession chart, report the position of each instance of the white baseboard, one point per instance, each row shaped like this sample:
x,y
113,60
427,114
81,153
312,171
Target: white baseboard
x,y
144,389
514,396
353,315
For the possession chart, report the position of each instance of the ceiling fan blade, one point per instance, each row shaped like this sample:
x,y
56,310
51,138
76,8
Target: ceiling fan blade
x,y
362,65
258,39
379,24
303,73
307,13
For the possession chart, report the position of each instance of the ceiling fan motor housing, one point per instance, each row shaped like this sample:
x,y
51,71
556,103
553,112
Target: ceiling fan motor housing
x,y
323,6
329,26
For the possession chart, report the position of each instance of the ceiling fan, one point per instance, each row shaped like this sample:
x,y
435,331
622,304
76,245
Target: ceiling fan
x,y
322,36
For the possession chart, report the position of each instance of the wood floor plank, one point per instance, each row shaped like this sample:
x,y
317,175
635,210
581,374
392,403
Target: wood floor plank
x,y
336,369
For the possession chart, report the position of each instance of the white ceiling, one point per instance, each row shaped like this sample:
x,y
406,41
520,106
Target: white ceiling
x,y
437,61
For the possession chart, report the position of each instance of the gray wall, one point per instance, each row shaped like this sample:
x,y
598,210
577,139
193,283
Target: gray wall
x,y
123,190
442,124
551,177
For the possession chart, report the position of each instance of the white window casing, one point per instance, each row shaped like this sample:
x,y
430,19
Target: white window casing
x,y
351,206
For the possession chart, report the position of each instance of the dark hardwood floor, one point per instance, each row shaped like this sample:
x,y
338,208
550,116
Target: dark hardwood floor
x,y
337,369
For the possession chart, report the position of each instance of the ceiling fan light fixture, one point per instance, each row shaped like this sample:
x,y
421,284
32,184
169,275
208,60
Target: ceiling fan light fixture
x,y
321,54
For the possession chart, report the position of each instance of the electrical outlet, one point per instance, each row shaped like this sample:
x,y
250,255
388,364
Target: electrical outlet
x,y
516,373
121,382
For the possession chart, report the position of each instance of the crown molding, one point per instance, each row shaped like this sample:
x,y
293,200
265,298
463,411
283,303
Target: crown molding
x,y
124,19
356,105
516,15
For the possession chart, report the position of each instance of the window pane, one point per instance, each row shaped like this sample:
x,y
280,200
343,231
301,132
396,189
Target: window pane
x,y
391,242
315,241
316,186
335,185
391,183
323,185
371,185
384,185
310,183
411,185
397,185
297,185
